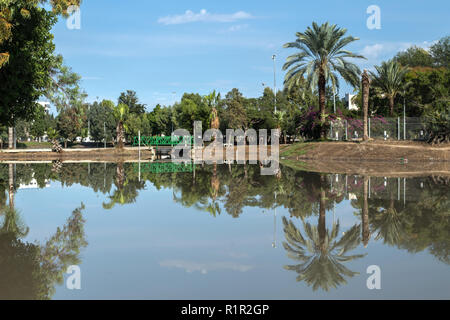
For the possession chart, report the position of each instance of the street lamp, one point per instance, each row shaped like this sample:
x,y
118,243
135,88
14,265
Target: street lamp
x,y
171,113
404,115
274,83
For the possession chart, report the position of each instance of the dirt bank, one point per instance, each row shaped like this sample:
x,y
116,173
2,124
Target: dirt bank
x,y
108,154
373,158
373,150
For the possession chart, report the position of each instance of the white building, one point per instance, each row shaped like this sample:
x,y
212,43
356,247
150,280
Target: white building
x,y
349,104
33,184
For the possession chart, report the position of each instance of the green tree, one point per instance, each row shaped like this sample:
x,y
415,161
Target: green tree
x,y
8,10
414,57
102,119
132,101
42,122
26,75
441,52
389,81
69,124
64,90
234,110
321,58
121,113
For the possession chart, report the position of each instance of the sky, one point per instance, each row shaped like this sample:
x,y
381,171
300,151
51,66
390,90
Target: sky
x,y
162,49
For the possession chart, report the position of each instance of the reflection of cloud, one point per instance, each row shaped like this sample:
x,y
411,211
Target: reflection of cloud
x,y
204,268
203,16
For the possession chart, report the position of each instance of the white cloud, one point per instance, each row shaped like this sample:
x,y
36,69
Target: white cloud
x,y
203,16
376,53
237,27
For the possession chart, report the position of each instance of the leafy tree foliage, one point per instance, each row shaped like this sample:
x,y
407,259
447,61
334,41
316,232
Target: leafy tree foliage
x,y
101,117
414,57
132,101
30,49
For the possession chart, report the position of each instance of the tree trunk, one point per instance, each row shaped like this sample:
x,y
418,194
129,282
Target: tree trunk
x,y
120,135
120,176
11,138
11,186
391,106
365,217
321,225
322,84
365,91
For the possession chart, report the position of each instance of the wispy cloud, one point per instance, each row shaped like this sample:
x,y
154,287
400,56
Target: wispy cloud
x,y
237,27
190,266
203,16
375,53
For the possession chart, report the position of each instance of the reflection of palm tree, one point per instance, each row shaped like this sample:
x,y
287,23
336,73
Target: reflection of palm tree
x,y
388,224
126,189
321,254
365,216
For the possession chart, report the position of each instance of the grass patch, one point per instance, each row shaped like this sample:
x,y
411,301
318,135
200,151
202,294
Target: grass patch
x,y
296,149
294,164
33,145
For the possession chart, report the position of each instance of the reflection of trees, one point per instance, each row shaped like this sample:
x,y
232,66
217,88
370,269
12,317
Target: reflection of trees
x,y
419,224
321,253
126,189
422,224
30,270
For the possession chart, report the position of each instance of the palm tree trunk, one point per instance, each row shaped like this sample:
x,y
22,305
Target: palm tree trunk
x,y
391,106
120,175
322,225
365,217
365,91
120,135
10,137
322,84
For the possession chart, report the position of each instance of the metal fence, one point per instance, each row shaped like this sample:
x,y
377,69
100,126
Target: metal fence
x,y
379,128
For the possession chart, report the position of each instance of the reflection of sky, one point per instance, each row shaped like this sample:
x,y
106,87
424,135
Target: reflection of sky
x,y
156,249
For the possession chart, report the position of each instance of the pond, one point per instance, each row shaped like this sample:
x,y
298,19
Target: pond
x,y
165,231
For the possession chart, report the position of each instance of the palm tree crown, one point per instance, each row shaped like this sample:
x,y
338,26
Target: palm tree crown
x,y
389,80
321,58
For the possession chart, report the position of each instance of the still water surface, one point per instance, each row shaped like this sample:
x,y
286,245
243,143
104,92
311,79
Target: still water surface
x,y
219,232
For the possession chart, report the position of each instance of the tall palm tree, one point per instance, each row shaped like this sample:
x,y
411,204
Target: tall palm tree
x,y
365,82
120,113
320,59
389,79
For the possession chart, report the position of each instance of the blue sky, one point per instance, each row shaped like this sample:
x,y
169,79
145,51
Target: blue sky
x,y
163,49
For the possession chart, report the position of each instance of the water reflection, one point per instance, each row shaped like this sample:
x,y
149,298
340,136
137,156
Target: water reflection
x,y
410,214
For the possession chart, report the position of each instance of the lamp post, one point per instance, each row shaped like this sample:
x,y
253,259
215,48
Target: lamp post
x,y
404,115
274,83
171,112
